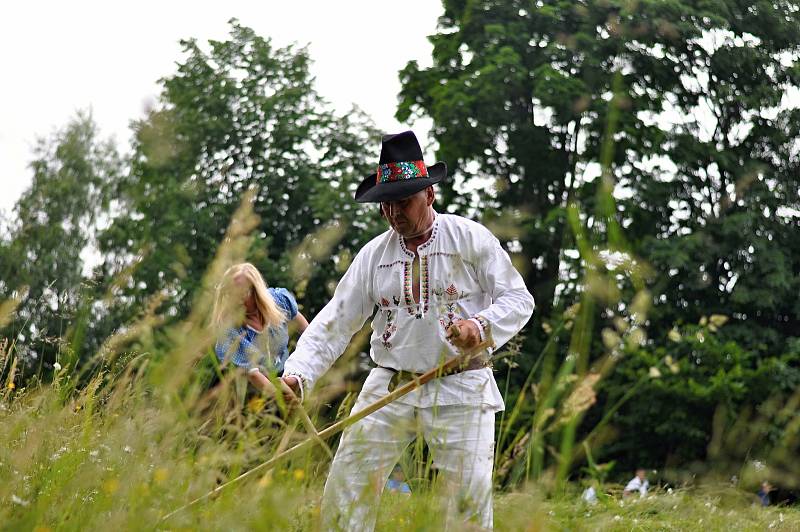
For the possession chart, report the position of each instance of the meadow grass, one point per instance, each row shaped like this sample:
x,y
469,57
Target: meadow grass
x,y
111,456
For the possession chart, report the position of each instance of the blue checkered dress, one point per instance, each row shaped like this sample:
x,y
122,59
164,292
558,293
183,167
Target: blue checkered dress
x,y
246,348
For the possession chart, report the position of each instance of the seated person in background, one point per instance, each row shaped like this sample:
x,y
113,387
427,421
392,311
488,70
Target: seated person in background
x,y
589,495
763,493
397,481
252,322
638,483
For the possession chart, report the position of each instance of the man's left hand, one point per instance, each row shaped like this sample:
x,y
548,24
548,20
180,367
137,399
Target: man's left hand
x,y
464,334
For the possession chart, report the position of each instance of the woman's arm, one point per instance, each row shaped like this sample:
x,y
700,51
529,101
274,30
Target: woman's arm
x,y
299,323
259,380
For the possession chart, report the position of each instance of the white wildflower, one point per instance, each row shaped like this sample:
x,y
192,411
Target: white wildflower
x,y
17,500
57,367
617,518
127,449
654,373
56,455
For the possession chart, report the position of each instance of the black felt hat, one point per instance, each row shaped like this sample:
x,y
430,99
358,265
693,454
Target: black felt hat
x,y
401,171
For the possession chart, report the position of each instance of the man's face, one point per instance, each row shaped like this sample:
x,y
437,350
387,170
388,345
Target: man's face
x,y
641,473
409,216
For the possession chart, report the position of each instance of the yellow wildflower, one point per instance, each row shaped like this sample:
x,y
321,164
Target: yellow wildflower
x,y
160,475
111,486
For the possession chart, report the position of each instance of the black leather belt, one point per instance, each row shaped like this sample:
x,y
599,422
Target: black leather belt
x,y
402,377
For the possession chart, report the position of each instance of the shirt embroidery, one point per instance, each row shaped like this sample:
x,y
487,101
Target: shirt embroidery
x,y
382,266
391,327
424,288
408,286
447,310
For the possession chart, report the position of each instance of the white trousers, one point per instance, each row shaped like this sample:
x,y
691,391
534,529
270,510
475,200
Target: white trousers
x,y
460,438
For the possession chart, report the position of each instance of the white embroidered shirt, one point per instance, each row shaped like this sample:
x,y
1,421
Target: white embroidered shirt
x,y
463,273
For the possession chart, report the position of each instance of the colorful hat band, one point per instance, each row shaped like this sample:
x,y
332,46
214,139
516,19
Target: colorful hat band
x,y
403,170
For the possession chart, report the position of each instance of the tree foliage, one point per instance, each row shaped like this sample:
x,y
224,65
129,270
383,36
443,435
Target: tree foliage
x,y
237,115
703,158
52,233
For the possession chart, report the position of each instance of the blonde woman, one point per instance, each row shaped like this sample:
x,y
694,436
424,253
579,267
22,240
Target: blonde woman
x,y
253,323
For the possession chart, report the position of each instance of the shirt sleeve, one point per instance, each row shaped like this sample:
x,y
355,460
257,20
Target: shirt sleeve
x,y
286,301
633,485
511,304
330,331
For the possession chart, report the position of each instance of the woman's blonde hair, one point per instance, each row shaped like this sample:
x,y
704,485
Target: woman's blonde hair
x,y
229,310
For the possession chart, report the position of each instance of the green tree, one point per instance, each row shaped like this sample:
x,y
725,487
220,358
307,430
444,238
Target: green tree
x,y
704,163
238,114
51,236
693,391
720,226
718,222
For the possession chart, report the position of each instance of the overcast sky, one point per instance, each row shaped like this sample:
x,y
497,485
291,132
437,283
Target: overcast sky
x,y
58,57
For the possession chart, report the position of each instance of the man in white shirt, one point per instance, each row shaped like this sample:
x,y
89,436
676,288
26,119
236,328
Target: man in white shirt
x,y
441,284
638,483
